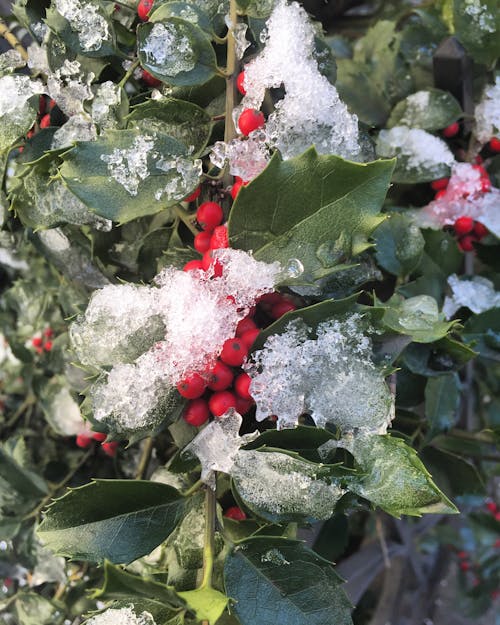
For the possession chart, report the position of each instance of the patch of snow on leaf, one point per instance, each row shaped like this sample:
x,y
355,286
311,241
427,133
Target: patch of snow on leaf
x,y
121,616
129,167
169,48
487,113
477,294
84,18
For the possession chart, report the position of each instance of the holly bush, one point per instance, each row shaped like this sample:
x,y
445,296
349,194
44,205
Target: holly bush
x,y
249,306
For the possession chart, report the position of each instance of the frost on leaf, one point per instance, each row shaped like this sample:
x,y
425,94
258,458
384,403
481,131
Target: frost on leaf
x,y
16,112
464,196
130,166
107,96
277,484
11,60
487,113
418,151
121,616
78,128
331,377
69,87
169,47
85,19
310,112
217,445
477,294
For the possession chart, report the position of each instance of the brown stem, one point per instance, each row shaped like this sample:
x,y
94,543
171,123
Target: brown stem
x,y
145,458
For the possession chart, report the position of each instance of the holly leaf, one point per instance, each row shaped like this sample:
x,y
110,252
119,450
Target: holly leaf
x,y
399,244
395,479
207,603
317,210
126,174
275,581
442,402
431,109
176,51
117,520
476,26
185,10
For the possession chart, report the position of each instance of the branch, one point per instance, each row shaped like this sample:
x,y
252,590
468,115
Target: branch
x,y
12,40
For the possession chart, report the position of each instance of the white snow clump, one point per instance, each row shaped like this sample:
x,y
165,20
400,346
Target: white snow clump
x,y
487,113
84,19
478,294
121,616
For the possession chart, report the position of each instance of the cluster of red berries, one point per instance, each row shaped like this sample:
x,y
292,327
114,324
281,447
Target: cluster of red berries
x,y
494,510
43,343
84,441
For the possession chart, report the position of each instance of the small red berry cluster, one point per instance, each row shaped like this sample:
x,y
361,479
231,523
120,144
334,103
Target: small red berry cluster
x,y
84,441
43,342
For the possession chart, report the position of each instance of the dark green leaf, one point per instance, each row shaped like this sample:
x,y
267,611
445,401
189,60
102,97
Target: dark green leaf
x,y
319,210
16,122
33,609
442,401
302,439
477,26
281,582
431,109
207,603
117,520
187,11
176,51
399,245
453,474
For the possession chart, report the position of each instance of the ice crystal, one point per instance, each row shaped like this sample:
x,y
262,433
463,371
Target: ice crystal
x,y
477,294
130,166
121,616
311,111
78,128
11,60
185,175
168,46
37,58
419,149
239,33
64,413
464,196
281,484
217,445
487,113
85,19
246,158
69,87
108,95
331,377
275,557
480,15
15,91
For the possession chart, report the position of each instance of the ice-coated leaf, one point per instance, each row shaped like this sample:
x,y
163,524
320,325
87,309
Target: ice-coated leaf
x,y
117,520
274,581
126,174
395,480
17,107
176,51
317,210
418,317
187,11
442,402
431,109
184,121
207,603
281,487
477,24
399,245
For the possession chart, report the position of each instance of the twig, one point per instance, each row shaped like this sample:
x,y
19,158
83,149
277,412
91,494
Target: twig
x,y
129,73
383,543
209,546
145,458
12,40
187,219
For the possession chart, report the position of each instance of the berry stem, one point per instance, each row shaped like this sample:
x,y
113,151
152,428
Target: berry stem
x,y
129,73
187,219
145,458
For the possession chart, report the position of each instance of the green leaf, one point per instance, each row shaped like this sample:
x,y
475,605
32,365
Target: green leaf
x,y
117,520
176,51
186,122
399,245
91,34
276,581
16,121
442,402
19,487
185,10
319,210
33,609
477,25
418,317
255,8
453,474
207,603
431,109
395,480
126,174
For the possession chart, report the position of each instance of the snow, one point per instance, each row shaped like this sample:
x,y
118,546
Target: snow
x,y
70,87
480,15
121,616
15,91
78,128
487,113
84,18
168,46
478,294
295,374
108,95
130,166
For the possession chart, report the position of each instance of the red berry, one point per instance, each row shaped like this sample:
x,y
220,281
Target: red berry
x,y
235,188
440,184
45,121
83,441
240,79
485,184
221,402
209,215
219,238
242,385
463,225
496,544
463,555
496,516
110,448
143,9
268,300
150,80
244,325
192,386
194,195
99,436
249,337
480,231
481,170
278,310
37,341
234,352
202,242
192,265
465,566
494,144
440,194
208,262
47,346
235,513
243,405
250,120
466,243
221,377
491,506
52,104
196,412
451,131
48,332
